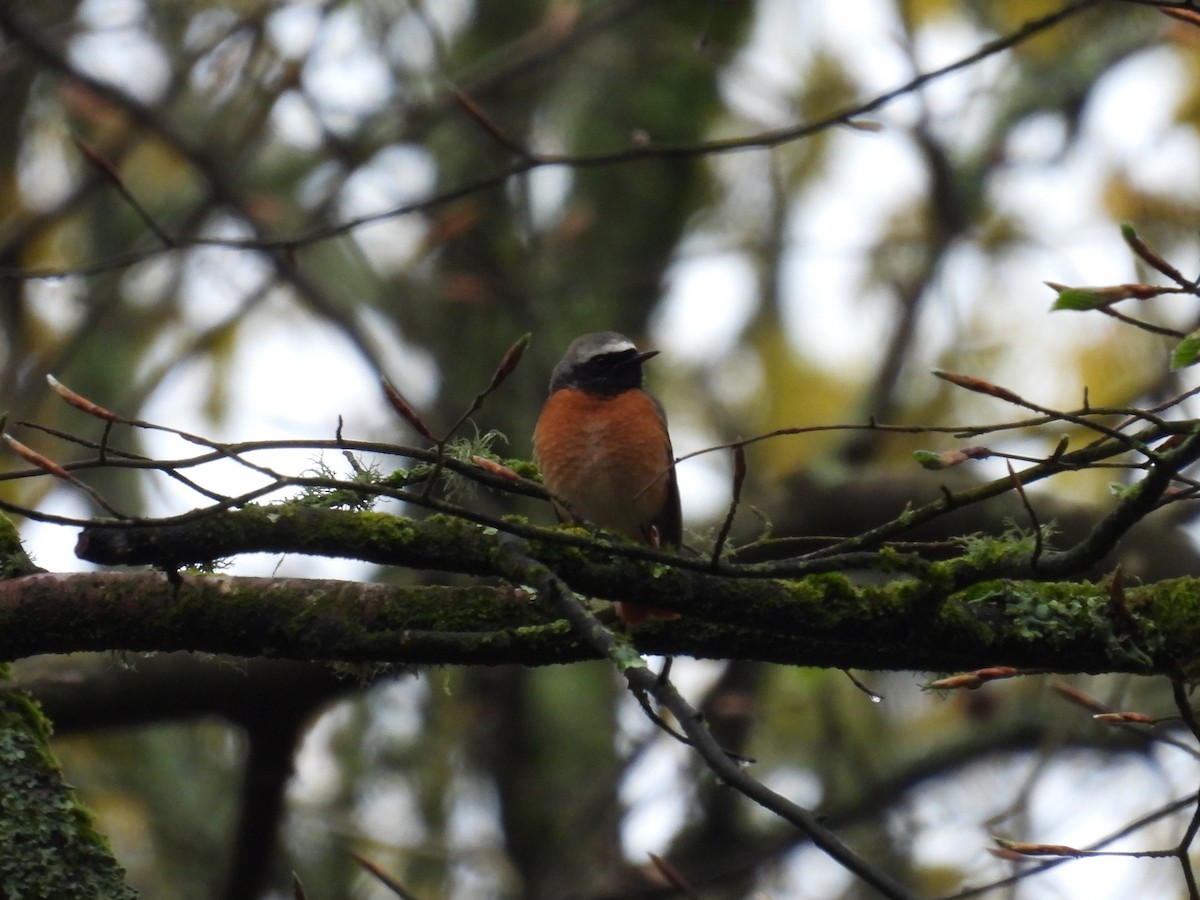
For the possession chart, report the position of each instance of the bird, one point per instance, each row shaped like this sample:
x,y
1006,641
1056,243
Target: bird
x,y
602,444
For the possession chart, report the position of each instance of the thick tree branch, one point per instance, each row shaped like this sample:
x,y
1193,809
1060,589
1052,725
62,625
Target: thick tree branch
x,y
283,618
821,620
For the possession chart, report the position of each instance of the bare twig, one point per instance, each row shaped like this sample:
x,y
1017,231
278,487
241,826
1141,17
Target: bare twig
x,y
52,468
383,877
739,478
528,160
1029,511
105,168
525,570
988,890
507,365
488,124
1184,705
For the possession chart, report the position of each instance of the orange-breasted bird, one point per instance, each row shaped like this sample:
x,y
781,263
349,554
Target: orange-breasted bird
x,y
604,450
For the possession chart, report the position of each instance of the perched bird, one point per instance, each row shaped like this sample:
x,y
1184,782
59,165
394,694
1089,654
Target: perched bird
x,y
604,451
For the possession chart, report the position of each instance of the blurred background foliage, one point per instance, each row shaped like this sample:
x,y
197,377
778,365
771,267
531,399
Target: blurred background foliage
x,y
814,283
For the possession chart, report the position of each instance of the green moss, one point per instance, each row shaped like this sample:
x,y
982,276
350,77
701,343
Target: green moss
x,y
524,468
1013,547
828,597
1035,611
14,562
48,844
892,560
956,622
1167,612
1050,615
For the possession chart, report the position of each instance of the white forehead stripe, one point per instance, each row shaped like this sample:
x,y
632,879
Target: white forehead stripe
x,y
615,347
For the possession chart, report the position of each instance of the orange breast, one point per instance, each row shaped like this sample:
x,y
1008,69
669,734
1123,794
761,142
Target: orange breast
x,y
608,458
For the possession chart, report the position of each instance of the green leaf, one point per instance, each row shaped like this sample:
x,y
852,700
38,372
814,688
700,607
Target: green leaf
x,y
1079,299
1186,352
927,459
1084,298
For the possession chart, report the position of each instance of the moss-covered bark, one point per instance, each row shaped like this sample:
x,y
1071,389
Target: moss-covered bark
x,y
914,621
48,847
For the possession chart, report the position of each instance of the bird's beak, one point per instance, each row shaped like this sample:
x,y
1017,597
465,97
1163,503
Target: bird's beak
x,y
645,355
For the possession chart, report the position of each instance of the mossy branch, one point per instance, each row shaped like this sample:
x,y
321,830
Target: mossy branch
x,y
914,622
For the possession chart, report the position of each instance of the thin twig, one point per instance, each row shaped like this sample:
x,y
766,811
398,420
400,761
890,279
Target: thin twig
x,y
1184,705
52,468
523,569
990,889
105,168
739,479
148,117
1029,511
